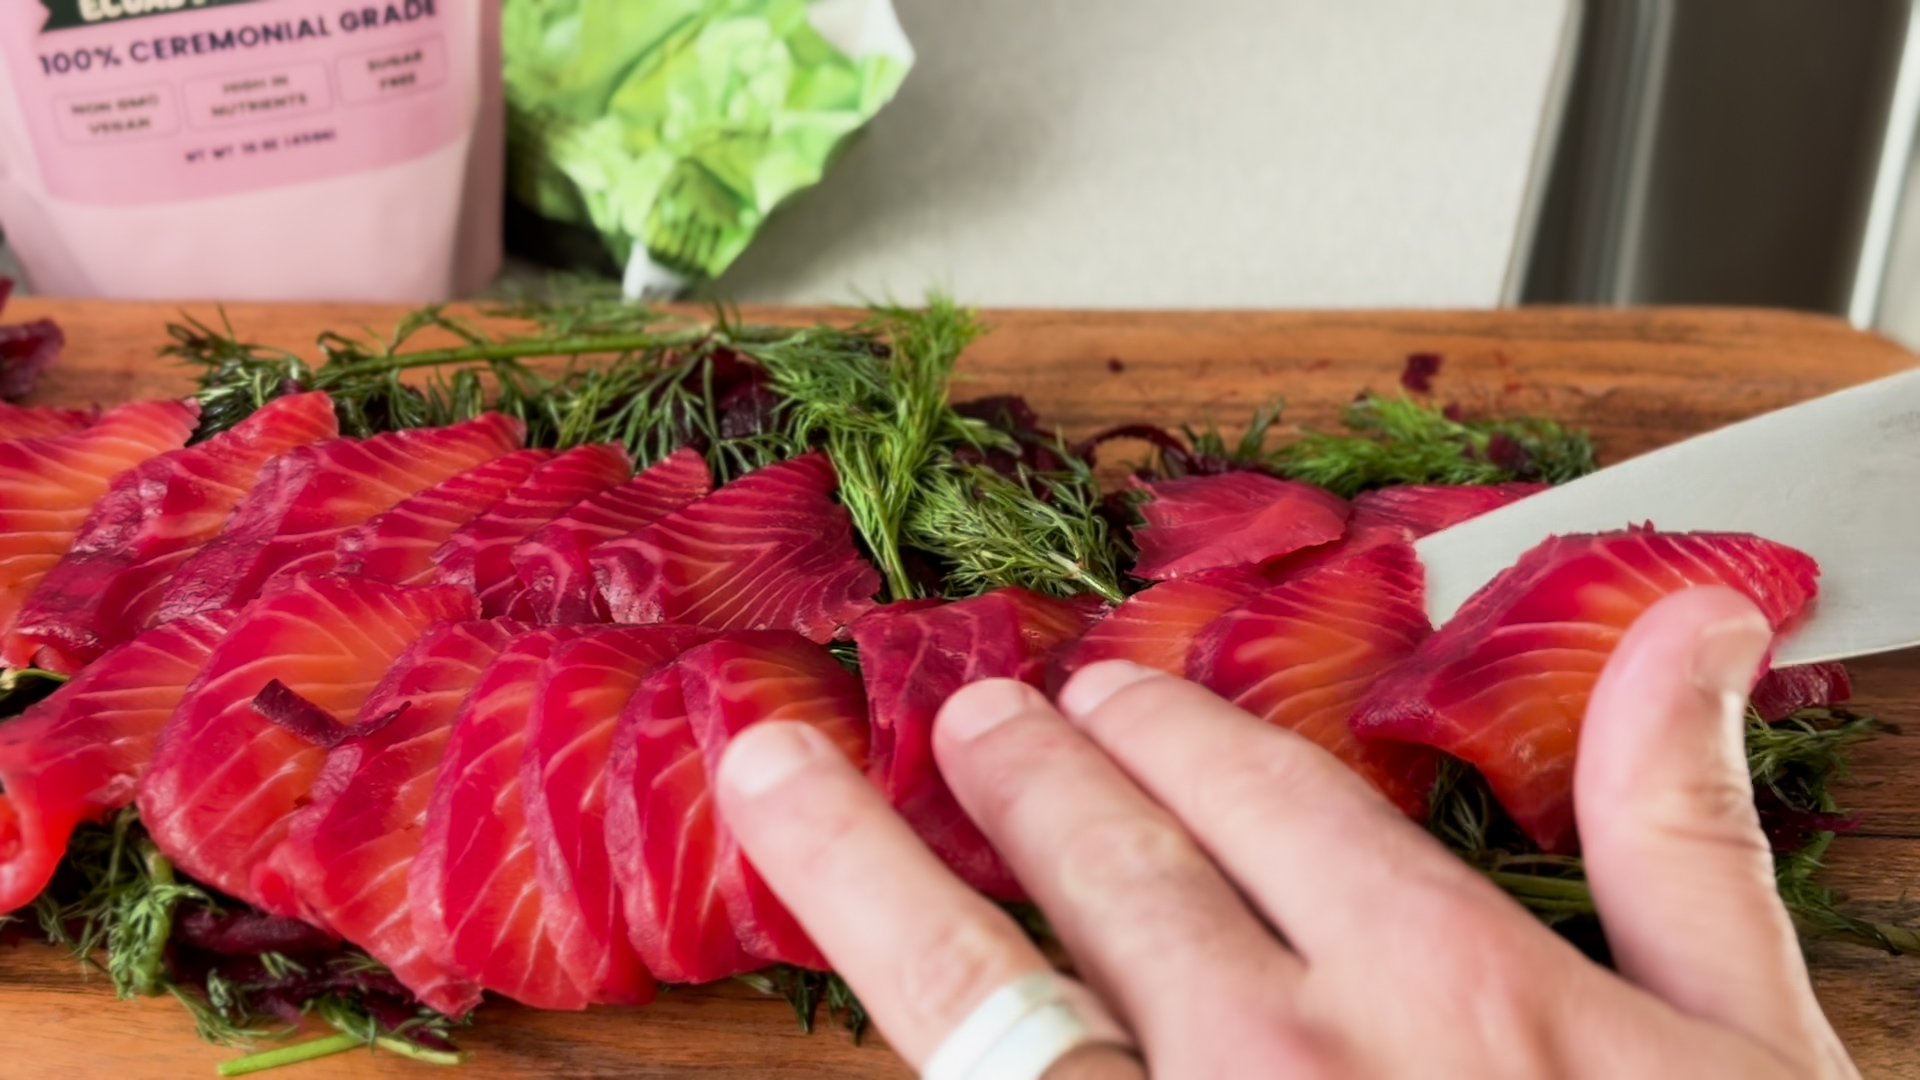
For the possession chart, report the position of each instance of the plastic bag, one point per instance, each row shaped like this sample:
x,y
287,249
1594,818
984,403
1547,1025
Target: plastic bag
x,y
252,149
673,127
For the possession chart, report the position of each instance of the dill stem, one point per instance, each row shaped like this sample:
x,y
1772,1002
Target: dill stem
x,y
1534,887
325,1046
1107,589
406,1048
520,350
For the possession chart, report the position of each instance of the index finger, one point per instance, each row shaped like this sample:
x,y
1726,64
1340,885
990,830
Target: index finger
x,y
920,948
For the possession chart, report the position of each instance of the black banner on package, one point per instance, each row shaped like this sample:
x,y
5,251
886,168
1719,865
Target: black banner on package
x,y
66,14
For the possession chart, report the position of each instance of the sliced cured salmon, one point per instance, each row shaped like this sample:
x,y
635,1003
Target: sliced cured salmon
x,y
345,860
912,658
77,755
30,421
1155,627
749,678
772,550
1397,514
582,690
1504,684
306,498
150,521
664,840
239,757
396,546
479,555
473,889
1427,508
1784,691
1230,519
49,485
552,562
1301,655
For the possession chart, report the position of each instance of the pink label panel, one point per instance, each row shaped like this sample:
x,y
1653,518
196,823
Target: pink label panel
x,y
205,101
254,96
117,115
366,78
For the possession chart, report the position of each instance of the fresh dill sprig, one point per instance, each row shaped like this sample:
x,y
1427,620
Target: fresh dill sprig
x,y
120,915
1397,440
1039,531
806,991
1795,761
881,413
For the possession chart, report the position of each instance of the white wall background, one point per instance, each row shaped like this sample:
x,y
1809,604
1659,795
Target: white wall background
x,y
1207,153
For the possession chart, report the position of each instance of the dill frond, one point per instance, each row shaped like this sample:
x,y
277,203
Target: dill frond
x,y
1041,531
1402,441
1795,761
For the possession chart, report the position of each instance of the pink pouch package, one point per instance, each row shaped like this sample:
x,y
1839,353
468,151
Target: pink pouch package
x,y
252,149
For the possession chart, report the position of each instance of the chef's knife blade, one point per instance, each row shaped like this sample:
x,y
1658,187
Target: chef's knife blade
x,y
1837,477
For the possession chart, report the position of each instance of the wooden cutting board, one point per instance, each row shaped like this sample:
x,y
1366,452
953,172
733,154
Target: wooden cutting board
x,y
1635,379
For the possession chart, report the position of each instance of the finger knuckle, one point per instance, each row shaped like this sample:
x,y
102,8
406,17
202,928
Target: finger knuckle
x,y
946,975
1126,856
1279,770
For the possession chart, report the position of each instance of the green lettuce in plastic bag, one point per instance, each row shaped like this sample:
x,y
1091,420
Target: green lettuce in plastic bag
x,y
673,127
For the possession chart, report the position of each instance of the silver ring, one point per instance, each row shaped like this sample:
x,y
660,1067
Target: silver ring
x,y
1021,1029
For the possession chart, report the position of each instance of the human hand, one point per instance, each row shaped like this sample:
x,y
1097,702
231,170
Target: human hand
x,y
1245,905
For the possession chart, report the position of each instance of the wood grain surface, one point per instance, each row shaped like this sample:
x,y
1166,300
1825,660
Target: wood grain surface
x,y
1636,379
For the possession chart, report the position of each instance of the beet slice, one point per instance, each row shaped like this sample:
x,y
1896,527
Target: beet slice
x,y
1784,691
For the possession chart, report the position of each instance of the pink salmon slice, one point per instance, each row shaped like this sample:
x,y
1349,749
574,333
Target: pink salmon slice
x,y
552,562
77,755
306,498
49,485
345,860
1504,685
396,546
1231,519
913,657
473,889
582,690
664,841
230,769
752,677
34,422
772,550
478,557
1301,655
151,520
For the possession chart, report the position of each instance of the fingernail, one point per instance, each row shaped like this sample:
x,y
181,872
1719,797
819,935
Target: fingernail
x,y
762,757
980,708
1092,686
1726,655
